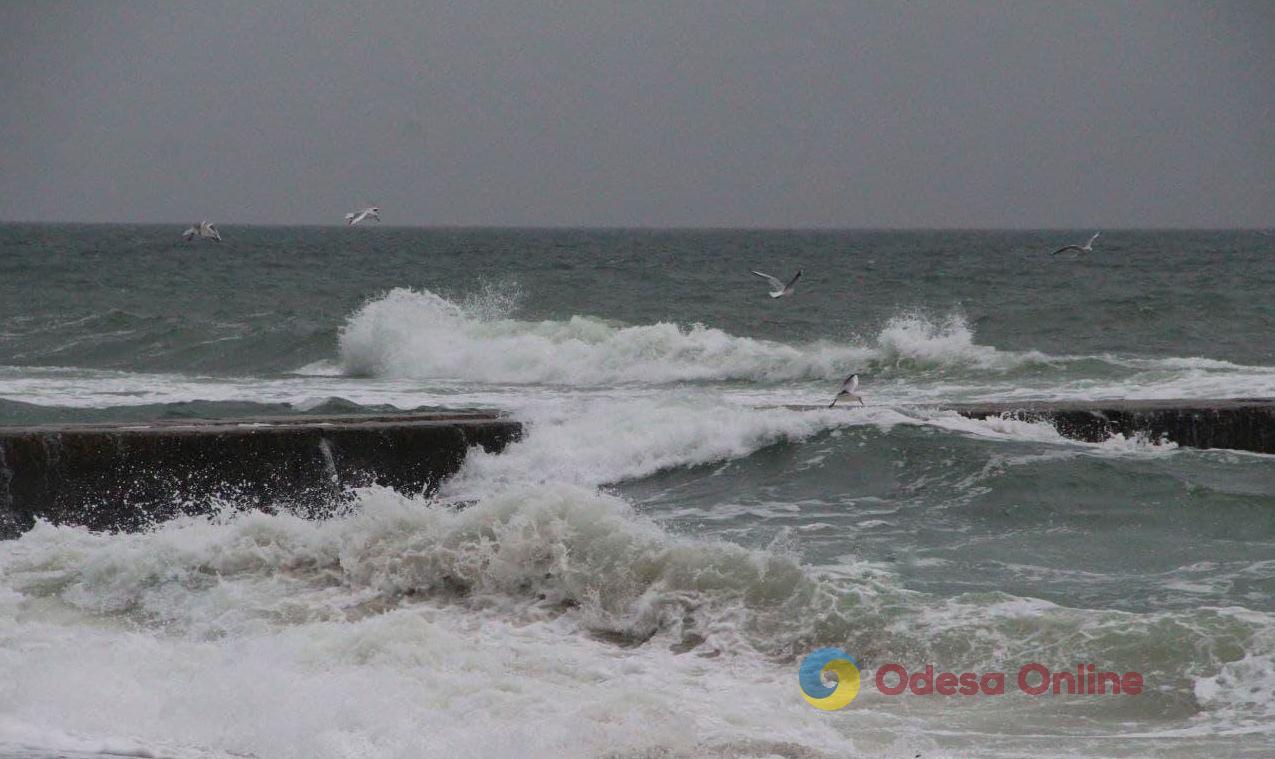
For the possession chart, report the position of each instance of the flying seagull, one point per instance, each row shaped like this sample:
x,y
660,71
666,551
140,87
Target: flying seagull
x,y
779,289
847,391
366,213
1086,248
206,230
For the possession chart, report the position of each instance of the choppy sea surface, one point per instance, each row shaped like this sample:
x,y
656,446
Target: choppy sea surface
x,y
643,573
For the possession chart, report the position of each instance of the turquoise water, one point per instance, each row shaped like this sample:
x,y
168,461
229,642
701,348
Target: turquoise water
x,y
642,574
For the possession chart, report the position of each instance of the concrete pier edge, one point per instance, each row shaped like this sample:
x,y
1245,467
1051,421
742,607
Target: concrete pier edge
x,y
1242,424
128,476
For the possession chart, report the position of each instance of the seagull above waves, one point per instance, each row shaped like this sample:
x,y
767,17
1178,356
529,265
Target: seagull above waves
x,y
847,391
367,213
1086,248
205,230
779,289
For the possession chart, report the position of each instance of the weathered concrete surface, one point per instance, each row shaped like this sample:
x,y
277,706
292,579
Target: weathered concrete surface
x,y
121,477
1242,424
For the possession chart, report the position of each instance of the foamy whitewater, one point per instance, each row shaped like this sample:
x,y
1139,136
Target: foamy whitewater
x,y
642,573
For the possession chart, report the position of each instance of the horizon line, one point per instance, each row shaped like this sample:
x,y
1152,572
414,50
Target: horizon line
x,y
653,228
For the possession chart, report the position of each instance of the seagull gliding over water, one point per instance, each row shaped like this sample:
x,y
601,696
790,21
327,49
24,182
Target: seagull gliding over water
x,y
1087,248
847,391
367,213
204,231
779,289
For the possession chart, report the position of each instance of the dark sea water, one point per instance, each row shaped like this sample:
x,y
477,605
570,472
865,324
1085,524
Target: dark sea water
x,y
643,573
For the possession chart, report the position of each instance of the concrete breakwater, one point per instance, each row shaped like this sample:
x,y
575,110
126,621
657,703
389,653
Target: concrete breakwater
x,y
123,477
1242,424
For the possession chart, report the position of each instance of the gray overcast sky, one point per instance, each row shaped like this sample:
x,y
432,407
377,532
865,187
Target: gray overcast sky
x,y
854,114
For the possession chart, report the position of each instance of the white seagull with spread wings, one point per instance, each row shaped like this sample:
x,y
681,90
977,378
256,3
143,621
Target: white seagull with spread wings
x,y
1086,248
205,230
779,289
847,391
366,213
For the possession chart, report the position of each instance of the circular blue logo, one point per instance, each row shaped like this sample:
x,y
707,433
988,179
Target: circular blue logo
x,y
829,660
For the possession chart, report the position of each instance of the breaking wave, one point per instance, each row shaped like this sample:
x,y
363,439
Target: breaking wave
x,y
403,625
386,617
598,442
418,334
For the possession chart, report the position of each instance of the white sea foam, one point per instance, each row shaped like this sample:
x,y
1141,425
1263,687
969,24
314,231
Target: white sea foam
x,y
530,552
410,348
600,441
1039,431
1239,695
407,630
556,618
410,333
916,340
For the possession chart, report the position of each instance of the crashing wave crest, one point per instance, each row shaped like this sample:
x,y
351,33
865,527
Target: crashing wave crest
x,y
418,334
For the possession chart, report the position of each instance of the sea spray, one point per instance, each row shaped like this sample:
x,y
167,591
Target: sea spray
x,y
601,441
528,552
417,333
